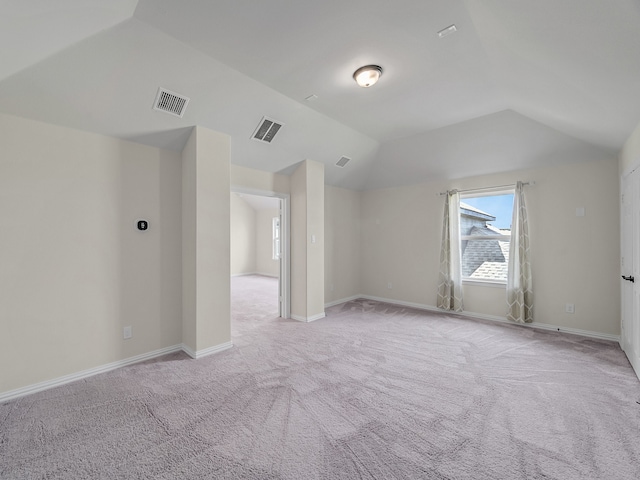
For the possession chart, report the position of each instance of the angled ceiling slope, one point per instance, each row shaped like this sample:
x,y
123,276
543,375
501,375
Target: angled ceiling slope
x,y
31,31
558,72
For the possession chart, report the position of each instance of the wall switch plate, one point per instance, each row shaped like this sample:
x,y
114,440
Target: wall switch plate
x,y
569,308
127,332
389,286
580,212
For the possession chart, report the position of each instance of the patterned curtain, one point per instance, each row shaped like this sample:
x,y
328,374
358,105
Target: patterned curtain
x,y
519,294
450,281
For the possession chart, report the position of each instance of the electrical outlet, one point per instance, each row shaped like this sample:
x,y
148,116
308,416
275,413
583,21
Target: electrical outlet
x,y
127,332
389,286
569,308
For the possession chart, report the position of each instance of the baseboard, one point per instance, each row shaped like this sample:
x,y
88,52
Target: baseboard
x,y
56,382
495,318
206,351
308,319
244,274
270,275
342,300
635,364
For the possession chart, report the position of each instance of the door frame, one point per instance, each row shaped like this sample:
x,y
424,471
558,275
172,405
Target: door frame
x,y
284,289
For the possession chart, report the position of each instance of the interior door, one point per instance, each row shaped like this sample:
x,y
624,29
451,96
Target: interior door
x,y
630,268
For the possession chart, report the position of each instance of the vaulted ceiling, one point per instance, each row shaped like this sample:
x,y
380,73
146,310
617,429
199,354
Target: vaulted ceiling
x,y
519,84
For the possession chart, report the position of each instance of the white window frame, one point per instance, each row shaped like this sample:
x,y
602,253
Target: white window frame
x,y
485,193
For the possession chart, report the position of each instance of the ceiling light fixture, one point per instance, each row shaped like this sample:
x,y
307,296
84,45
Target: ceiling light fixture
x,y
367,75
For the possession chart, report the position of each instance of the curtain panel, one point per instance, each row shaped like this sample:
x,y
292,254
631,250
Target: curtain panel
x,y
450,278
519,293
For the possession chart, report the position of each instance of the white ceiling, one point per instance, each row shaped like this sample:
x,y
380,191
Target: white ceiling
x,y
520,84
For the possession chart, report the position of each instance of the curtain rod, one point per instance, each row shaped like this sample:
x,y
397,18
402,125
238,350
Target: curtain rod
x,y
512,185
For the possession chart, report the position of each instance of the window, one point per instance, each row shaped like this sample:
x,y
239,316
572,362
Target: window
x,y
485,233
276,237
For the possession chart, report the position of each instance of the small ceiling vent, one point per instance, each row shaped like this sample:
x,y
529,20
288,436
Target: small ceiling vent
x,y
267,129
343,161
170,102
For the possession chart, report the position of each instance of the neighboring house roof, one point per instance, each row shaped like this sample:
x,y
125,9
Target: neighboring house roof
x,y
475,212
499,231
486,259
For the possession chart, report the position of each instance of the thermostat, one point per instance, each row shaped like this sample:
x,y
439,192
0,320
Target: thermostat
x,y
143,225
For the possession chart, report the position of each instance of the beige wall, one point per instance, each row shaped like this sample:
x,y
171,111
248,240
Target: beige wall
x,y
248,178
243,237
206,241
307,241
342,243
574,259
75,270
265,264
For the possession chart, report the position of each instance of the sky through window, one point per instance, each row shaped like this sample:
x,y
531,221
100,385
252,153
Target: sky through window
x,y
499,206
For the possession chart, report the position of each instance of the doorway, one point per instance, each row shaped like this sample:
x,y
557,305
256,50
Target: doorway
x,y
259,257
630,268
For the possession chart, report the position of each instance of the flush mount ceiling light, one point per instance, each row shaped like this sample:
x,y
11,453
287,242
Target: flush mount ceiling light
x,y
367,75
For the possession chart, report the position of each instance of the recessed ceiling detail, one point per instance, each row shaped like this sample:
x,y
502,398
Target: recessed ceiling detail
x,y
447,31
343,161
170,102
267,129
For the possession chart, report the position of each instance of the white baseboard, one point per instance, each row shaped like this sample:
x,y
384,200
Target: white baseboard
x,y
56,382
267,274
206,351
308,319
494,318
342,300
262,274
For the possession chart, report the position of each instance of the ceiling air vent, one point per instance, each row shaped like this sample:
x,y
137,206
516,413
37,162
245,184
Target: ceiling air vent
x,y
267,129
170,102
343,161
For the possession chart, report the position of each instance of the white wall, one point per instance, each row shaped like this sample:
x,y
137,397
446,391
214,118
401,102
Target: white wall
x,y
265,264
574,259
630,154
342,243
75,270
243,237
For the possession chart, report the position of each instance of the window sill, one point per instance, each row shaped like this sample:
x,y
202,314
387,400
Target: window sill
x,y
484,283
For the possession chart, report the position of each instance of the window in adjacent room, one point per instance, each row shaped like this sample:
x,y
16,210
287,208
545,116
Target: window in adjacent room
x,y
485,235
276,238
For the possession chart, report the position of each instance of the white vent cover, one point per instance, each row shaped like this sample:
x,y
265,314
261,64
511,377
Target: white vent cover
x,y
343,161
266,130
170,102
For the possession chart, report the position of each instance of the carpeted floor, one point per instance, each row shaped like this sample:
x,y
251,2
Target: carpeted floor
x,y
373,391
254,300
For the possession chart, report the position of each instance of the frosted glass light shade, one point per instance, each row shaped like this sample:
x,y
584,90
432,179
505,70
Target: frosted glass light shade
x,y
368,75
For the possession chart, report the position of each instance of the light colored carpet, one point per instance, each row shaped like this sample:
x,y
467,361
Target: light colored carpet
x,y
373,391
254,300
